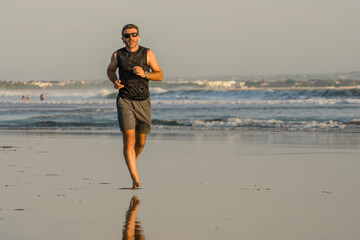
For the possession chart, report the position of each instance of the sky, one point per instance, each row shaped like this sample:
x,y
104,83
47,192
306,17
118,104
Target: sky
x,y
74,39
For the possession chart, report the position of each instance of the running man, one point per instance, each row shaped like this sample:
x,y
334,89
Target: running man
x,y
136,65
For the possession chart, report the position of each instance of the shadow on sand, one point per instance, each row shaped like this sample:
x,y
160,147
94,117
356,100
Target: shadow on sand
x,y
128,188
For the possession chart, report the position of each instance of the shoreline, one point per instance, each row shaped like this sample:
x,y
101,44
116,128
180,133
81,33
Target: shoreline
x,y
181,131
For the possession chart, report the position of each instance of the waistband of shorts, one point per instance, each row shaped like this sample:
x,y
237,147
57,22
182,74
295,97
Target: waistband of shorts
x,y
130,99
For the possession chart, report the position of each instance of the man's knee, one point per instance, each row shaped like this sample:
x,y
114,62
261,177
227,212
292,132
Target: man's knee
x,y
140,140
140,144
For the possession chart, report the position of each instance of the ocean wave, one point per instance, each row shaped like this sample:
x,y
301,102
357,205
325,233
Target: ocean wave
x,y
259,102
64,102
157,90
15,95
248,123
159,93
233,95
226,124
258,94
278,110
69,121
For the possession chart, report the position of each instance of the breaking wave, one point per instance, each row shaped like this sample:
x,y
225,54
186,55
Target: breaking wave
x,y
187,106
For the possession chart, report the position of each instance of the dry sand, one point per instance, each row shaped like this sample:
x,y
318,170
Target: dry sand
x,y
203,185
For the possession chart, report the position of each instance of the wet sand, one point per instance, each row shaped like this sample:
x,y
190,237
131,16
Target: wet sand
x,y
199,185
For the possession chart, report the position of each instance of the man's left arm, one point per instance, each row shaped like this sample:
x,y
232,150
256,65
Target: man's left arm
x,y
156,74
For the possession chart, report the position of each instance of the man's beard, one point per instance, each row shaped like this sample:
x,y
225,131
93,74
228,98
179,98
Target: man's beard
x,y
132,44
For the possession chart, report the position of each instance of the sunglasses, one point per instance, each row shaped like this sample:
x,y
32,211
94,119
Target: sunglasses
x,y
127,35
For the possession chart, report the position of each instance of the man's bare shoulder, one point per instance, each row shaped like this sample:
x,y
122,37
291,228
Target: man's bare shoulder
x,y
150,54
149,51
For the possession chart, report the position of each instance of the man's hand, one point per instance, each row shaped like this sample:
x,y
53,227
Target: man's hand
x,y
118,85
139,71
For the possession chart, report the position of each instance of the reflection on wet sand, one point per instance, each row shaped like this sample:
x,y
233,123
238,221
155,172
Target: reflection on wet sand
x,y
132,228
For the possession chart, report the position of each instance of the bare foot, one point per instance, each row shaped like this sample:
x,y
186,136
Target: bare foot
x,y
135,185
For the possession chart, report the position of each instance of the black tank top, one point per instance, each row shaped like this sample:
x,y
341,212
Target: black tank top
x,y
135,87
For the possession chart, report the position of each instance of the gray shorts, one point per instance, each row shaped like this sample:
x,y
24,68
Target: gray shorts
x,y
134,114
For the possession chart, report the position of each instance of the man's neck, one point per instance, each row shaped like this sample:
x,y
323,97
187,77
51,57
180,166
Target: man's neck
x,y
134,49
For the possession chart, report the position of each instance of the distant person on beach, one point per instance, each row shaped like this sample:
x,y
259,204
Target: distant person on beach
x,y
23,98
28,97
42,97
136,65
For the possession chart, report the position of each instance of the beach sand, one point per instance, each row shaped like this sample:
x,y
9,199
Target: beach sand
x,y
195,185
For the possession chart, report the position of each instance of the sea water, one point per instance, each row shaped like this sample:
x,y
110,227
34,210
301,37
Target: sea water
x,y
180,106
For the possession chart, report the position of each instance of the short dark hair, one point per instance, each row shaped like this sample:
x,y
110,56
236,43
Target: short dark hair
x,y
128,26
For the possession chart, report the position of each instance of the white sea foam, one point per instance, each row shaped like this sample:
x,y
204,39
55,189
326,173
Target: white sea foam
x,y
157,90
238,123
105,92
258,102
7,93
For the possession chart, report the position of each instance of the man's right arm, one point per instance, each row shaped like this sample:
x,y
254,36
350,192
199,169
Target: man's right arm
x,y
111,72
